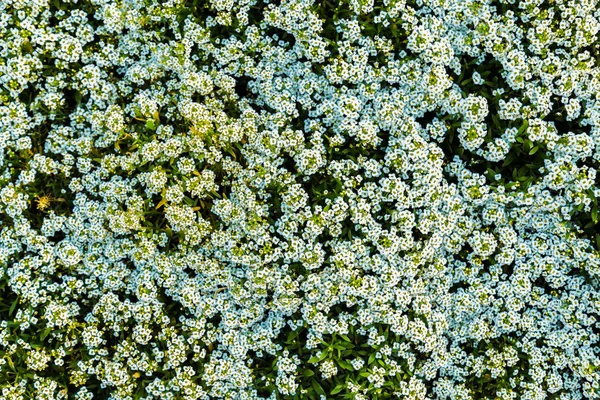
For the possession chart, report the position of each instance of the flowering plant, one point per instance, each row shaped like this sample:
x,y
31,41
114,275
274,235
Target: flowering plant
x,y
258,199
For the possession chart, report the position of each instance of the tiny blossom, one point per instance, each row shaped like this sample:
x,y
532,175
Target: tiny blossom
x,y
477,79
114,118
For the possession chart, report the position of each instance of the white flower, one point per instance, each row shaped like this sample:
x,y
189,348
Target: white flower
x,y
68,253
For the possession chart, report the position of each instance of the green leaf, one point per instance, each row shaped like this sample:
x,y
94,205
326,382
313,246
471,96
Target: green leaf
x,y
346,365
307,373
343,345
523,127
292,335
45,333
13,306
161,203
534,150
150,124
318,388
10,363
508,159
347,353
591,196
372,358
346,338
338,389
320,358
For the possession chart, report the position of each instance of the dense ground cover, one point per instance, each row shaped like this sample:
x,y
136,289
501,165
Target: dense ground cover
x,y
299,199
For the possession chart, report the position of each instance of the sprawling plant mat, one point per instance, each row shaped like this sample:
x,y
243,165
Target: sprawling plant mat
x,y
297,199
